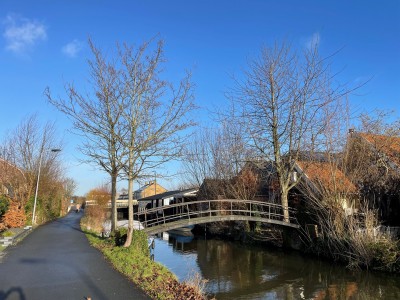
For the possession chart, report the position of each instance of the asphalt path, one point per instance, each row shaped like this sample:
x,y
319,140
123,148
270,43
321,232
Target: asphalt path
x,y
55,261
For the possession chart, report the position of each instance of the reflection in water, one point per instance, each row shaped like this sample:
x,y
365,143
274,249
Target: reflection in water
x,y
237,271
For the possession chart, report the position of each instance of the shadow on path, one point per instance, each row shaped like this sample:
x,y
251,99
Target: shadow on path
x,y
13,292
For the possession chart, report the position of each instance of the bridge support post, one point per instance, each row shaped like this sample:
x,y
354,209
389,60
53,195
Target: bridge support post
x,y
291,238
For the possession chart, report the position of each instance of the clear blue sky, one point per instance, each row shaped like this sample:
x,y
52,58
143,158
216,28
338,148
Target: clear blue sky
x,y
43,43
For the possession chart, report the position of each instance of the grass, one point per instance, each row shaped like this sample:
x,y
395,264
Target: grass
x,y
8,233
135,263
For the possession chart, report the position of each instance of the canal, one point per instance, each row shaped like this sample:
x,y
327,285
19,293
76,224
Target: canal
x,y
237,271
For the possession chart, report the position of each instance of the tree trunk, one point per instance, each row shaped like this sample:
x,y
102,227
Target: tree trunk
x,y
285,205
113,202
128,241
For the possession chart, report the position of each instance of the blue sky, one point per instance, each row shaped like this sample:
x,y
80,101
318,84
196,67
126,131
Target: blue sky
x,y
44,43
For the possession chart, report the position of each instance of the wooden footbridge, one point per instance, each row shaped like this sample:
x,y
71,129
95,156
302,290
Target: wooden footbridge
x,y
168,217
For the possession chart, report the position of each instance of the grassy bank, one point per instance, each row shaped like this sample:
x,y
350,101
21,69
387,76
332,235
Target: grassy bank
x,y
135,263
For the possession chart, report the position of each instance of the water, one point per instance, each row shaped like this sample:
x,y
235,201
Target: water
x,y
236,271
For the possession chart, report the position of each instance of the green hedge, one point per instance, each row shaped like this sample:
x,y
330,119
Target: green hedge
x,y
4,204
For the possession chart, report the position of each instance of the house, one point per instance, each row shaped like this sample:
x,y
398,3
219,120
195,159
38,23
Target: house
x,y
149,189
375,162
167,198
317,174
253,182
265,183
213,189
386,148
324,180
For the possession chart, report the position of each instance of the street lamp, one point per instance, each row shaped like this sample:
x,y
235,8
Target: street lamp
x,y
155,183
37,182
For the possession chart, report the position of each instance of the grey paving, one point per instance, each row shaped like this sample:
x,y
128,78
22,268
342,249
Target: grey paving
x,y
55,261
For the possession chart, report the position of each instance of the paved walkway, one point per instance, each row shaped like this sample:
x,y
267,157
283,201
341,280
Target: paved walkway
x,y
55,261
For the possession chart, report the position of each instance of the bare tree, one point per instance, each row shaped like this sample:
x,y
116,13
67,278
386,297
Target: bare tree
x,y
24,147
69,187
197,158
155,115
280,104
96,117
133,119
216,153
372,153
380,122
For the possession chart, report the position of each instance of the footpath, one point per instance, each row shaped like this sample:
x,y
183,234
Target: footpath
x,y
55,261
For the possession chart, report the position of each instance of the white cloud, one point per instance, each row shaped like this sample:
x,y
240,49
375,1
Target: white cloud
x,y
313,40
21,34
72,49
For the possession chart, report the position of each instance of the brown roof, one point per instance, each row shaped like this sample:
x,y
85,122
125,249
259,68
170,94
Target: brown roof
x,y
388,145
327,175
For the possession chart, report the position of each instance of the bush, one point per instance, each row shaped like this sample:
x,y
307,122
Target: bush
x,y
4,204
120,236
95,215
29,207
386,255
15,216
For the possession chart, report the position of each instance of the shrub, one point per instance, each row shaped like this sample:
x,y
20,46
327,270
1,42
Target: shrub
x,y
120,236
386,255
15,216
95,215
4,204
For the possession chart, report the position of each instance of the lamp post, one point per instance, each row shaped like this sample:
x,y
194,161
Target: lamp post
x,y
155,183
37,182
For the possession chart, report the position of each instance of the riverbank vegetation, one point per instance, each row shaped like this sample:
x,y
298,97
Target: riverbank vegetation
x,y
289,136
356,241
135,263
353,202
96,215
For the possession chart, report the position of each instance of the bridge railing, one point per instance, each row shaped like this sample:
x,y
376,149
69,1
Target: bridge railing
x,y
120,203
207,208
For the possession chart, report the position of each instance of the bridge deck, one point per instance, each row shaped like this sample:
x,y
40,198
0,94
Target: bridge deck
x,y
174,216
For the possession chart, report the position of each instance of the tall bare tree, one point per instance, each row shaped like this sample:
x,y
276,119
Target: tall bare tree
x,y
24,147
133,119
69,186
155,114
216,153
280,101
96,117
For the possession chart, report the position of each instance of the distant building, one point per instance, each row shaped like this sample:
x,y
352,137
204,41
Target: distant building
x,y
168,198
149,189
